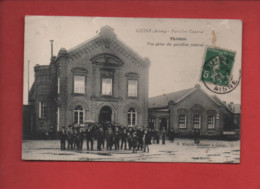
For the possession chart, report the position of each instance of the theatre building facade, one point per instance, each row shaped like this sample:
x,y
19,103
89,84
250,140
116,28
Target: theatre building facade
x,y
190,109
102,80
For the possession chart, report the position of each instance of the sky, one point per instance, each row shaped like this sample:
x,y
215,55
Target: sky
x,y
175,47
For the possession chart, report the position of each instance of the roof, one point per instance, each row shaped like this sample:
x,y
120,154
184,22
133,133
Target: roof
x,y
162,100
217,100
236,108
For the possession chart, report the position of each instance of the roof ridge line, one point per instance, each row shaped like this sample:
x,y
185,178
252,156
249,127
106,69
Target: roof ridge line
x,y
171,92
130,48
193,89
83,43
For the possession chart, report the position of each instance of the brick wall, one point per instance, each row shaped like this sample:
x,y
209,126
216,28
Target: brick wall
x,y
81,59
92,101
196,102
43,92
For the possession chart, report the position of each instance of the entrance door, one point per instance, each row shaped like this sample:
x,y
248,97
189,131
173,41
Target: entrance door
x,y
163,123
105,115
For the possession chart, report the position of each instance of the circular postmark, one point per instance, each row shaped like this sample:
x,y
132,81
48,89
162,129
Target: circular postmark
x,y
218,89
217,74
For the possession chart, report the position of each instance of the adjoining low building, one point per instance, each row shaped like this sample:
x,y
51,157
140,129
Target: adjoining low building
x,y
236,109
190,109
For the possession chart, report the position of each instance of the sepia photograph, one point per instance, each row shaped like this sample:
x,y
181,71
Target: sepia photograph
x,y
132,89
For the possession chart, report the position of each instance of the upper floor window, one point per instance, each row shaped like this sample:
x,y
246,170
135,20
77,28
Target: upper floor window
x,y
79,84
42,109
107,86
132,84
132,88
79,80
132,117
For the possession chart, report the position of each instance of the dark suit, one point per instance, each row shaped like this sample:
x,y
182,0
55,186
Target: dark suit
x,y
123,139
63,137
90,136
117,138
100,138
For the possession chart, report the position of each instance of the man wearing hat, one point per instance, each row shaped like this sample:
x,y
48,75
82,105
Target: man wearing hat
x,y
63,137
117,138
90,137
99,137
81,138
110,137
123,138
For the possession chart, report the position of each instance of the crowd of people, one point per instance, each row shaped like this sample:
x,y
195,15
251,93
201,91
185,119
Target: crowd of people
x,y
112,137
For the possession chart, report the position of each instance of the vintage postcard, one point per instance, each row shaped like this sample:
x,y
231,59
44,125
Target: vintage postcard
x,y
132,89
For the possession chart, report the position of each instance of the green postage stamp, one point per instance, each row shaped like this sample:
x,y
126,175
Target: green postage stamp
x,y
217,66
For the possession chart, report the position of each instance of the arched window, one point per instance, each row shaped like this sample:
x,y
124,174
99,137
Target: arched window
x,y
78,115
132,117
197,121
182,118
182,121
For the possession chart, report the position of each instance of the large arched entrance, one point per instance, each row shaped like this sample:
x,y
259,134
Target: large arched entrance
x,y
105,115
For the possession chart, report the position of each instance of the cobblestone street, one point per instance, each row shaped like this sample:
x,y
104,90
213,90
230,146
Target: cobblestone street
x,y
182,150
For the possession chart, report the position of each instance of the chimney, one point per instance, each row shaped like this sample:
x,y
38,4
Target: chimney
x,y
230,105
51,48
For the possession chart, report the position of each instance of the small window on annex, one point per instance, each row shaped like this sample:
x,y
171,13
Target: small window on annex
x,y
42,109
211,121
182,121
196,121
132,117
132,88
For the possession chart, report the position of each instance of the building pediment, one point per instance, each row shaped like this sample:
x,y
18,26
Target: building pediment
x,y
107,60
107,39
